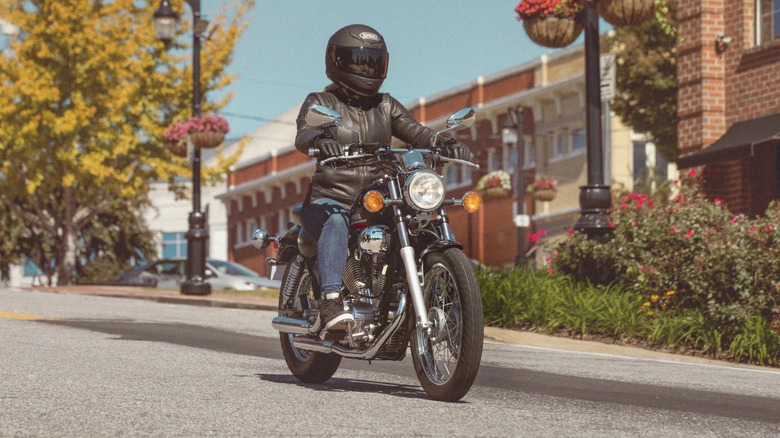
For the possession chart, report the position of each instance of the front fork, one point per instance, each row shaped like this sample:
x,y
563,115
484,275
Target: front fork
x,y
410,265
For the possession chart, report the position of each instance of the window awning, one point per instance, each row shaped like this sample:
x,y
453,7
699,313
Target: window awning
x,y
738,141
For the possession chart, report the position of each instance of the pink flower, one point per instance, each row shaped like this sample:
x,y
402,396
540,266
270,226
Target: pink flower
x,y
673,229
692,173
717,201
533,238
752,229
733,219
689,234
611,224
570,231
541,233
623,206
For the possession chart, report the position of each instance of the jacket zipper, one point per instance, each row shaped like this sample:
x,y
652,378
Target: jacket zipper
x,y
364,132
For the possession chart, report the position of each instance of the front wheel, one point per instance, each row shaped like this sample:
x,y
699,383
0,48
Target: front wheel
x,y
446,357
306,366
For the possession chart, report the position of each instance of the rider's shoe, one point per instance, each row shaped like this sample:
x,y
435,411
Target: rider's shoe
x,y
333,316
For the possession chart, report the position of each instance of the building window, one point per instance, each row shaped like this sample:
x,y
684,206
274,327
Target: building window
x,y
577,141
250,229
174,245
240,233
509,158
281,224
530,152
492,160
767,21
559,145
450,176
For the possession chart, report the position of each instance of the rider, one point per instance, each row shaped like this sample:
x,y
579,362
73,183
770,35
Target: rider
x,y
356,62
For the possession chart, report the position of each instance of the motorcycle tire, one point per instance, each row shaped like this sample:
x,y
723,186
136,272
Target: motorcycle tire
x,y
447,360
306,366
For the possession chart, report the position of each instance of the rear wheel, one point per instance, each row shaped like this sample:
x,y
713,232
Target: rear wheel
x,y
446,358
306,366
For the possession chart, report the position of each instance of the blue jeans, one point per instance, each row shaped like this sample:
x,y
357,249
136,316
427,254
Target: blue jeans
x,y
328,221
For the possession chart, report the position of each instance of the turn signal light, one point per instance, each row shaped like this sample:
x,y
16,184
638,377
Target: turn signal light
x,y
472,201
373,201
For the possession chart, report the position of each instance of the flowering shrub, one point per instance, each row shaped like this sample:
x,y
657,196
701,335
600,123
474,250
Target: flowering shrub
x,y
178,132
542,183
686,253
542,8
496,178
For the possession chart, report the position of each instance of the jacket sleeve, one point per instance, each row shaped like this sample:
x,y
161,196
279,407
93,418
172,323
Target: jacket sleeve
x,y
307,135
406,128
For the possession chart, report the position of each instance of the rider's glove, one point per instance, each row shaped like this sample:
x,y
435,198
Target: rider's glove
x,y
328,148
455,149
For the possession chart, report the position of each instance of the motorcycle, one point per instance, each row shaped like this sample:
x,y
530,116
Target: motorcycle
x,y
401,248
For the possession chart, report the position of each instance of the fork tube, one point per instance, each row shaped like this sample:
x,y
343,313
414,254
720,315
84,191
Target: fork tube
x,y
408,258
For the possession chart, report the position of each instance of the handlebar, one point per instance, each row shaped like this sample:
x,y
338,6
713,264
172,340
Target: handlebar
x,y
356,151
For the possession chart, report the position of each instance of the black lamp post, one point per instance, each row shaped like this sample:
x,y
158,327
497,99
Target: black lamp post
x,y
165,19
595,198
512,136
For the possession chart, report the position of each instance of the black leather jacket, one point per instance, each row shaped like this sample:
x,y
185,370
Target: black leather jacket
x,y
379,117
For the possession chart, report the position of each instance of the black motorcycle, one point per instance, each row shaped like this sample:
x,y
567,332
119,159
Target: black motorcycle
x,y
401,248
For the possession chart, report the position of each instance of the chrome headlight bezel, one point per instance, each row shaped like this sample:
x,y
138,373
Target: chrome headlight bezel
x,y
424,190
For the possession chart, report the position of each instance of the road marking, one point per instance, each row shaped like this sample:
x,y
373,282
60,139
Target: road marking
x,y
25,317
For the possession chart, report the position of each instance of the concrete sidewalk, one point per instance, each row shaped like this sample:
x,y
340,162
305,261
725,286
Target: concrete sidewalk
x,y
523,338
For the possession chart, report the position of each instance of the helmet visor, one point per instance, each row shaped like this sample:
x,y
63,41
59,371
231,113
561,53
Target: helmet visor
x,y
361,61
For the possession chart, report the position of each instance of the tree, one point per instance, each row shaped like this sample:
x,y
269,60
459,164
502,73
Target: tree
x,y
647,78
86,92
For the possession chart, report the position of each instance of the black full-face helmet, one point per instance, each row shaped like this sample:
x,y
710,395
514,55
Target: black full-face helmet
x,y
357,58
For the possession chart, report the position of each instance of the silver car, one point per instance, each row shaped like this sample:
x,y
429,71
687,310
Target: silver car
x,y
221,274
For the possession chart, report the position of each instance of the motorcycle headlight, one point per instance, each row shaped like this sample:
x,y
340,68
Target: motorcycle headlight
x,y
424,190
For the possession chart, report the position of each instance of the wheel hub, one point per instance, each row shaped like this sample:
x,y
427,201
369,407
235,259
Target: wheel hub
x,y
438,324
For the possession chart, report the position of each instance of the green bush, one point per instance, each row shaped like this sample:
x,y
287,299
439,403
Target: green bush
x,y
103,269
679,272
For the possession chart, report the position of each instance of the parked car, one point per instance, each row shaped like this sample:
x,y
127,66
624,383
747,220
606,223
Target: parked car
x,y
221,274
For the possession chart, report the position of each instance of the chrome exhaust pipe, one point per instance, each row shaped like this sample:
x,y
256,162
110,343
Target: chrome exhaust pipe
x,y
331,347
294,326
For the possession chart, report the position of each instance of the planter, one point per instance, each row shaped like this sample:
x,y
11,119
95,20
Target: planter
x,y
495,193
625,12
179,148
552,31
545,195
207,139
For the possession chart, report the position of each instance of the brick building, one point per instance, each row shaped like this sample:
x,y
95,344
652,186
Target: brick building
x,y
729,98
262,191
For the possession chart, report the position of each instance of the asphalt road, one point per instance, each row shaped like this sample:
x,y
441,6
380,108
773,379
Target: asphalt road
x,y
76,365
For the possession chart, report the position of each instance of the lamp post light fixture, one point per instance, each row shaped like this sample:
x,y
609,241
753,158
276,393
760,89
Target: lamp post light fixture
x,y
165,19
595,197
512,136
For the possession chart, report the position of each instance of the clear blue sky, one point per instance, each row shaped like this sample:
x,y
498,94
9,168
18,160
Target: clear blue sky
x,y
433,45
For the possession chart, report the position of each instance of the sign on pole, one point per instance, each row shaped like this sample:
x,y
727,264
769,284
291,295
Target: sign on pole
x,y
608,76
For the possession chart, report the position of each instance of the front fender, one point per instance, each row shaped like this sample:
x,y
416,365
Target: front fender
x,y
439,246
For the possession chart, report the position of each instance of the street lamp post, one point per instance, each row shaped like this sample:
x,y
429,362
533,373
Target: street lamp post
x,y
165,19
595,197
512,136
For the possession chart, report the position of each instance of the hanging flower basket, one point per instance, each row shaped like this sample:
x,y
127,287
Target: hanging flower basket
x,y
495,193
552,31
204,132
495,184
178,148
625,12
543,188
207,139
545,195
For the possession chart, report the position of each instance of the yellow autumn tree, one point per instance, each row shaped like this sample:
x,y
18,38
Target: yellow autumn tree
x,y
86,92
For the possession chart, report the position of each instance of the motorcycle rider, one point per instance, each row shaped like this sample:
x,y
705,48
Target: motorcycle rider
x,y
356,62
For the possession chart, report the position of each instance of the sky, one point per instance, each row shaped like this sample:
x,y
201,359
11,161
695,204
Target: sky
x,y
434,46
